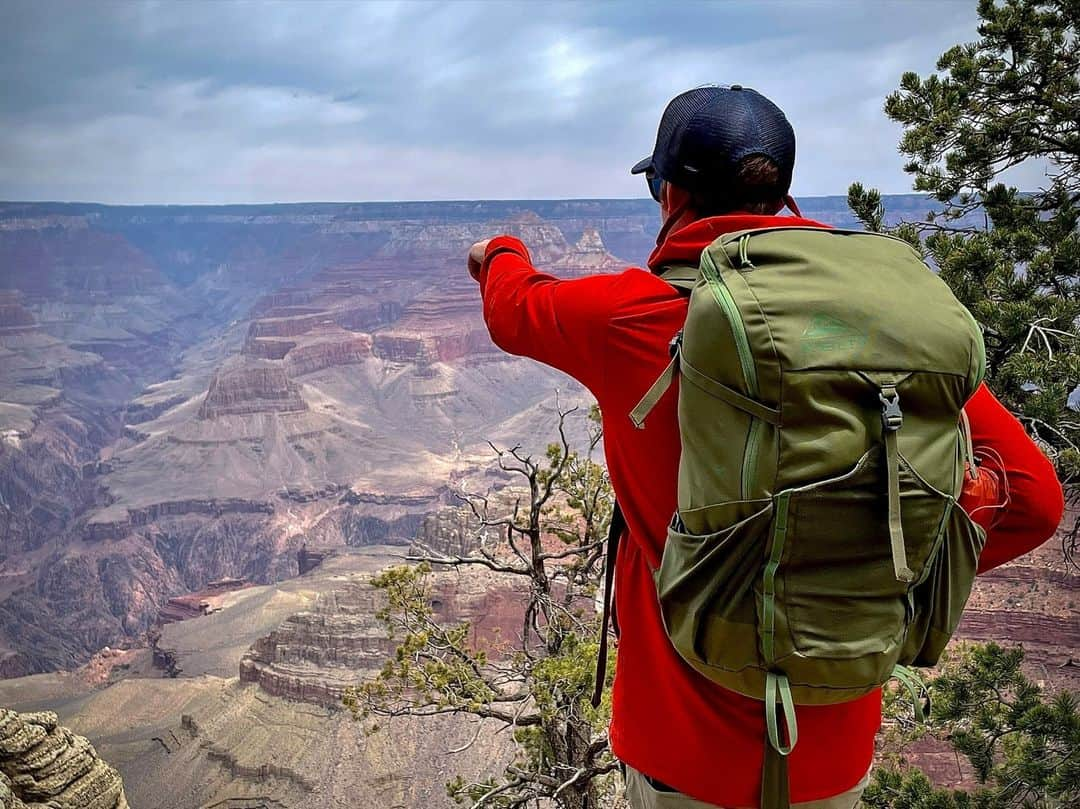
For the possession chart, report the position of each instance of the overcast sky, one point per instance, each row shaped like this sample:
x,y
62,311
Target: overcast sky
x,y
193,102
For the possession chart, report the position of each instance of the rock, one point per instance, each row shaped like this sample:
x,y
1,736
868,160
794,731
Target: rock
x,y
14,317
307,561
587,256
42,763
330,348
283,298
314,656
438,326
246,388
203,602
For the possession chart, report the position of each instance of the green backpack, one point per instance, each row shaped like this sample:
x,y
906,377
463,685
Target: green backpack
x,y
818,547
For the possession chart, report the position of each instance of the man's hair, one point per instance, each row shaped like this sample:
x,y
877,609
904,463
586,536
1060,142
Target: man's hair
x,y
756,188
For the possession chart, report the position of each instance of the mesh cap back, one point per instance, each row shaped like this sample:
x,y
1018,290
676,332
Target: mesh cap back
x,y
705,132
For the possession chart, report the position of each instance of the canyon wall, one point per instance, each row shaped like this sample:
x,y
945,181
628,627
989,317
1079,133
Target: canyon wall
x,y
192,393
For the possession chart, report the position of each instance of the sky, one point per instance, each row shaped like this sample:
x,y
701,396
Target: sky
x,y
208,101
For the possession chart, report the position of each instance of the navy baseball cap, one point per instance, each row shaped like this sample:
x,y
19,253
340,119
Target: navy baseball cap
x,y
705,132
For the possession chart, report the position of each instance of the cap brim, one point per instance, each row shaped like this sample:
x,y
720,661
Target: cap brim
x,y
642,166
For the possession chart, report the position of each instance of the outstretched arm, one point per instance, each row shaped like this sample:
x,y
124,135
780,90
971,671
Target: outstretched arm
x,y
1023,507
561,323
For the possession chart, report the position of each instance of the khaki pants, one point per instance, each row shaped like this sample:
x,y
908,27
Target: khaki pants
x,y
641,795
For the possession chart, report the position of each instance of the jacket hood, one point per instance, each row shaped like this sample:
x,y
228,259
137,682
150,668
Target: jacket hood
x,y
684,245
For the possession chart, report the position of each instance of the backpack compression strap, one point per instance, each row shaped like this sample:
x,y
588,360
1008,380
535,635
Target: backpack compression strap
x,y
892,419
718,390
615,532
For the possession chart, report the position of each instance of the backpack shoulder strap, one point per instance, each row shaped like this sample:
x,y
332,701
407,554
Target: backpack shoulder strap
x,y
683,278
615,532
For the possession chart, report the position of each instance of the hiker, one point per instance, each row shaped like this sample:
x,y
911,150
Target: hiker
x,y
722,164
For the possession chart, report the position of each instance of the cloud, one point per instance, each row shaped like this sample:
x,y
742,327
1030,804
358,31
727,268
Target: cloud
x,y
290,101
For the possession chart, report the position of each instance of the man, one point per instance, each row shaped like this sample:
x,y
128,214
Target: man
x,y
723,162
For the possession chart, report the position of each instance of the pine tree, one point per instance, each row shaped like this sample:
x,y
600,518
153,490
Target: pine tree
x,y
1012,257
1009,99
1022,742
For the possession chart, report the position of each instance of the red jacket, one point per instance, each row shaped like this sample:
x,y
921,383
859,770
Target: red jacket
x,y
611,333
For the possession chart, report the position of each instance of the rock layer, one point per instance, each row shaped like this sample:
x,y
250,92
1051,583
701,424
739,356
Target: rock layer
x,y
43,763
249,388
314,656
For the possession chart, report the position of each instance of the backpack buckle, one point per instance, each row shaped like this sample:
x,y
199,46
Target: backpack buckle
x,y
675,346
892,417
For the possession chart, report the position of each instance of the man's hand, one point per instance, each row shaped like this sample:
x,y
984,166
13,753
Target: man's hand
x,y
476,258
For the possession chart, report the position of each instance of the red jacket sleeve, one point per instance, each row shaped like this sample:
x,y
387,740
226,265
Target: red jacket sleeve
x,y
1026,505
561,323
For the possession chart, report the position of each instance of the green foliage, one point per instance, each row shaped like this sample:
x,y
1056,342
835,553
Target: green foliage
x,y
1022,742
1013,258
539,687
1012,97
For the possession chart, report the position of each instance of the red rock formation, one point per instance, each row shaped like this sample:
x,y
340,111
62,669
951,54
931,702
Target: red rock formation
x,y
287,326
442,325
99,669
586,257
314,656
267,349
93,262
251,387
192,605
282,298
325,349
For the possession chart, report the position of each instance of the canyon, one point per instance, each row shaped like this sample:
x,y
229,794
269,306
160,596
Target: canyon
x,y
190,394
216,423
240,708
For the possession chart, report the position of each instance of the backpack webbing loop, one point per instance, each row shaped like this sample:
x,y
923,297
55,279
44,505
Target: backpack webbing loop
x,y
744,254
916,688
970,467
768,587
774,776
778,692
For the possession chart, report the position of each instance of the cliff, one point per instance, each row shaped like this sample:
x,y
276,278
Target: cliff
x,y
14,317
444,325
314,656
587,256
203,602
45,764
242,389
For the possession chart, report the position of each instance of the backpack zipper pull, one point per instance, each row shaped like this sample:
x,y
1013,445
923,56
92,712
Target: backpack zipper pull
x,y
744,253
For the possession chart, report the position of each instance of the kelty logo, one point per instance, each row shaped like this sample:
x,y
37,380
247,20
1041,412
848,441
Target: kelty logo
x,y
826,333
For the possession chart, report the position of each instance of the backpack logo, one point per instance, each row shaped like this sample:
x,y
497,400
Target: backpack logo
x,y
826,333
